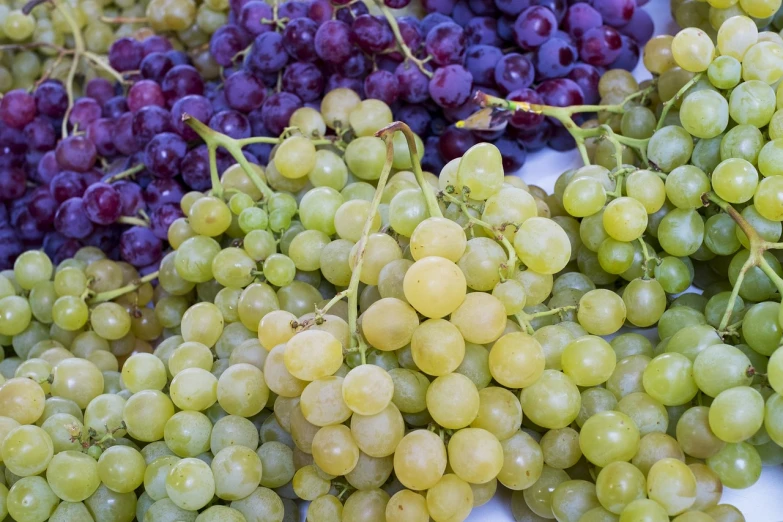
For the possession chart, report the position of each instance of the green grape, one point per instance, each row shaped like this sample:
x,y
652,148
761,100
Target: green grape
x,y
736,37
552,401
742,141
365,157
27,450
595,400
627,376
306,119
695,435
763,61
670,147
259,244
693,49
295,157
194,257
584,197
209,216
516,360
681,232
480,171
78,380
645,301
233,267
638,122
18,26
705,114
542,245
73,476
601,312
187,433
724,72
145,415
572,499
736,414
672,484
105,413
647,188
588,360
625,219
144,371
673,275
31,498
190,484
628,344
767,199
609,425
407,506
770,156
420,460
752,102
669,379
509,205
648,414
618,485
721,234
644,510
32,267
236,471
685,185
720,367
761,329
452,400
406,210
16,314
737,465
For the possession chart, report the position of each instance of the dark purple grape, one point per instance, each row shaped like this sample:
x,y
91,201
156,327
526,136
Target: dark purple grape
x,y
615,12
162,217
237,5
144,93
195,169
3,215
10,248
180,81
51,99
13,146
66,185
640,28
320,11
586,77
251,15
100,133
534,138
431,20
396,4
156,44
163,154
410,31
178,57
126,54
150,121
267,55
123,137
629,55
455,142
534,26
299,39
382,85
416,116
431,160
358,65
100,90
521,119
12,183
305,80
71,220
47,168
351,11
372,34
560,92
506,28
131,197
444,7
332,41
483,7
277,110
412,84
102,204
17,108
446,43
154,66
226,42
514,72
28,228
482,30
76,153
338,81
42,207
115,107
66,250
462,13
561,140
554,59
231,123
558,7
84,111
163,190
581,17
244,91
40,134
512,7
387,62
140,247
600,46
293,10
197,107
513,153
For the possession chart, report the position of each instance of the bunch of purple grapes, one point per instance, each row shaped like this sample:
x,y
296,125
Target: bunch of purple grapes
x,y
540,51
116,179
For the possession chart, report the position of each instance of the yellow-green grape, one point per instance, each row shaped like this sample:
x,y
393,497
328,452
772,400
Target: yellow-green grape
x,y
450,499
276,328
402,156
329,170
73,475
752,102
322,402
190,355
233,267
588,360
407,209
538,497
278,378
764,62
22,399
512,294
601,312
644,510
27,450
18,26
203,323
334,450
516,360
670,147
735,180
78,380
308,484
737,465
669,379
16,315
647,188
672,485
708,486
509,205
379,250
768,161
475,455
480,171
481,318
68,312
435,286
337,105
190,484
389,324
236,471
645,302
209,216
436,236
572,499
327,507
705,114
499,412
193,389
365,157
313,354
584,197
367,389
31,498
720,367
349,223
145,415
453,401
187,433
736,35
407,506
695,435
523,461
437,347
308,121
609,426
481,263
295,157
724,72
768,200
420,460
32,267
693,49
241,390
736,414
760,9
657,55
365,505
110,321
561,448
625,219
144,371
553,401
543,245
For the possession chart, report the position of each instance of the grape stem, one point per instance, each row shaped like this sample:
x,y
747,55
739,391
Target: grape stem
x,y
127,173
320,312
524,318
670,103
647,258
114,294
134,221
406,51
429,196
124,19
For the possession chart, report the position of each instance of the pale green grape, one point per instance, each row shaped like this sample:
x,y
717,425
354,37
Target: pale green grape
x,y
420,460
236,471
588,360
73,475
668,379
516,360
187,433
145,415
737,465
763,61
725,72
736,36
601,312
553,401
190,484
736,414
27,450
720,367
752,102
31,498
618,485
542,245
705,114
686,184
609,425
670,147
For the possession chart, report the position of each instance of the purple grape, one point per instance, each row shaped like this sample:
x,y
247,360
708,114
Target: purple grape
x,y
140,247
338,81
163,190
410,31
381,85
231,123
180,81
293,10
396,4
115,107
66,185
76,153
600,46
162,217
534,26
446,43
483,7
131,197
462,13
332,41
521,119
225,43
10,248
154,66
126,54
237,5
372,34
102,204
243,90
305,80
629,55
444,7
178,58
13,146
163,154
100,90
454,142
299,39
277,110
12,183
416,116
555,58
351,11
100,133
123,136
427,23
51,99
251,15
144,93
559,7
42,207
197,107
512,7
84,111
155,44
535,138
483,31
150,121
586,77
321,11
387,62
506,28
71,220
267,55
27,228
560,92
356,66
561,140
195,169
17,108
47,168
615,12
40,134
581,17
412,84
66,250
640,28
514,72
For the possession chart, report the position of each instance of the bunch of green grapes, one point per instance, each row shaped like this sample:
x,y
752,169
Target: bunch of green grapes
x,y
711,14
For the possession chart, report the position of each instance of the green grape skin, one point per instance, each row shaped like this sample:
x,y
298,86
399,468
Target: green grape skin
x,y
672,484
720,367
744,142
73,476
737,465
669,379
27,450
572,499
705,114
523,461
670,147
736,414
190,484
771,153
647,188
644,510
609,425
753,103
681,232
31,498
645,302
618,485
553,401
724,72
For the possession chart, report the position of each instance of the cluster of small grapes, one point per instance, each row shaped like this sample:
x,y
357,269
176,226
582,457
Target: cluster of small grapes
x,y
709,16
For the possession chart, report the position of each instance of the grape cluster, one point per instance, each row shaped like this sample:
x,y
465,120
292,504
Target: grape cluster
x,y
709,16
